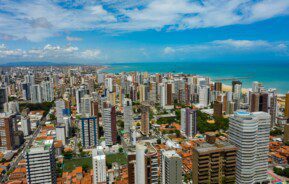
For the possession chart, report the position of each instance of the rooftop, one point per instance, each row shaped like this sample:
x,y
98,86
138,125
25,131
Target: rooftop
x,y
40,145
217,146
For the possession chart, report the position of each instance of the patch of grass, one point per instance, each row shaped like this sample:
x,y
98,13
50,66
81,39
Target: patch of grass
x,y
70,165
120,158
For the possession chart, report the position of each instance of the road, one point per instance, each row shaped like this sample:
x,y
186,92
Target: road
x,y
21,155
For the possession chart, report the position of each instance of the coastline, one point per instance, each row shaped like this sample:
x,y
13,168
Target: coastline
x,y
270,75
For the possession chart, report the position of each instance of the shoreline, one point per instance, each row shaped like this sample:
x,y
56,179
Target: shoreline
x,y
226,87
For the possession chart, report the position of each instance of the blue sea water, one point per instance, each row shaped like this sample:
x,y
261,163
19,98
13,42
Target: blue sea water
x,y
271,75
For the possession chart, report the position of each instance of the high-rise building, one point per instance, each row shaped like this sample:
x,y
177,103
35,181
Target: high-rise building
x,y
218,108
88,132
40,162
3,97
287,106
204,95
7,125
218,86
153,92
79,94
131,163
26,91
254,102
237,90
171,168
166,95
86,106
59,106
146,164
36,93
109,124
26,125
286,133
249,132
29,78
169,94
264,102
109,84
127,114
67,124
214,162
94,108
99,165
145,120
12,107
60,133
47,91
255,86
273,106
189,122
142,93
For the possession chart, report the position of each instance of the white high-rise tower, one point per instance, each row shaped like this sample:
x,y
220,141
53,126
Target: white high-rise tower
x,y
249,132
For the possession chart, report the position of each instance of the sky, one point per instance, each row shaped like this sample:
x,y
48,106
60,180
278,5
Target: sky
x,y
118,31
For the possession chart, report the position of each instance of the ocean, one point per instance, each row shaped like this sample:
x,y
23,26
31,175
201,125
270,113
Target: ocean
x,y
271,75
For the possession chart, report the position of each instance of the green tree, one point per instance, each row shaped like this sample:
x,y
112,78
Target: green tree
x,y
67,154
178,133
286,172
120,123
278,171
120,150
52,117
276,131
85,167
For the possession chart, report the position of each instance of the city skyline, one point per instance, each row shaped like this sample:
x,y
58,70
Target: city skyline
x,y
144,31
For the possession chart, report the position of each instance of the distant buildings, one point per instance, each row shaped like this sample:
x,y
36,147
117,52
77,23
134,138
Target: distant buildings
x,y
249,132
99,166
40,162
287,105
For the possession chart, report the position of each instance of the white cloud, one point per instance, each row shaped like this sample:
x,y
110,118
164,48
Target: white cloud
x,y
49,52
73,39
242,43
36,20
2,46
169,50
90,53
230,46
